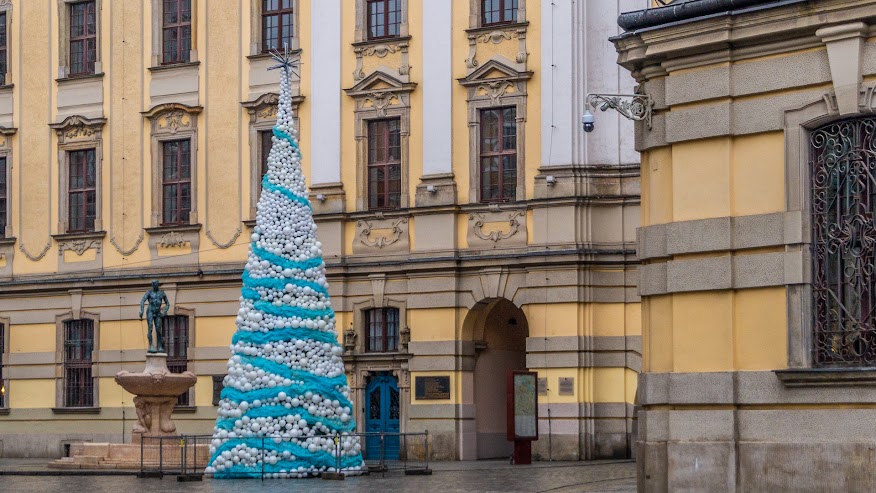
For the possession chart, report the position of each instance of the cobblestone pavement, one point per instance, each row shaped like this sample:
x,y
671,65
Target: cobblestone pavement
x,y
448,477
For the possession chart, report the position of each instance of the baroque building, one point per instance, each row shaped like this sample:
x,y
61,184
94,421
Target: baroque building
x,y
757,243
468,226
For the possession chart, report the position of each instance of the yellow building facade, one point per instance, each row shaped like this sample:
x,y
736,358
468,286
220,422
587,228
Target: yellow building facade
x,y
467,225
755,243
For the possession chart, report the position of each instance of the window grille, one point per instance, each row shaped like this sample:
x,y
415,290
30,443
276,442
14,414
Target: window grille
x,y
78,346
842,163
384,164
177,31
82,191
176,343
498,154
384,18
177,182
277,24
83,38
382,330
4,57
498,12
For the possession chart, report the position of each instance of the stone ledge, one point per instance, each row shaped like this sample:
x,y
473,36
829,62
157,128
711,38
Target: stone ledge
x,y
827,377
75,410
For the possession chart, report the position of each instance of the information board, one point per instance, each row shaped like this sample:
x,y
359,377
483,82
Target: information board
x,y
522,406
432,387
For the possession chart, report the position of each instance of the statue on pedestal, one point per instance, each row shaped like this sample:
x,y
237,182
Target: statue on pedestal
x,y
155,316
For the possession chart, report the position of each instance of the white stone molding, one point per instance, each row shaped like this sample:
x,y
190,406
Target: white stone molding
x,y
77,133
64,37
394,234
845,44
325,126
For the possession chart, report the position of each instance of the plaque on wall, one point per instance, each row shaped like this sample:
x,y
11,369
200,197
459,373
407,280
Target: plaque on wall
x,y
542,386
432,387
567,386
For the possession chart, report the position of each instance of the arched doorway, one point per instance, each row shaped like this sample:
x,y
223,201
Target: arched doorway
x,y
499,329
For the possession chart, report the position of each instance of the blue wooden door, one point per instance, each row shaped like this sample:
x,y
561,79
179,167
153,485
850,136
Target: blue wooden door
x,y
382,410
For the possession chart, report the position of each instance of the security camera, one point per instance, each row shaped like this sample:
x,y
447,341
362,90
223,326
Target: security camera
x,y
588,121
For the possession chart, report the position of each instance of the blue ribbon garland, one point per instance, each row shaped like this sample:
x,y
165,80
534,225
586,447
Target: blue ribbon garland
x,y
311,263
284,334
279,283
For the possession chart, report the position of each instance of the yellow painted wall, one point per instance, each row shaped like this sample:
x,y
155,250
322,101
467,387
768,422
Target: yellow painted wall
x,y
214,331
657,186
32,338
112,394
701,179
125,335
433,324
760,329
758,173
31,393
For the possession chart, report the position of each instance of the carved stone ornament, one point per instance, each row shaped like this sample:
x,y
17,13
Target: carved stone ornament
x,y
495,90
496,37
79,246
350,339
379,241
381,101
381,50
172,239
495,236
404,336
78,128
79,132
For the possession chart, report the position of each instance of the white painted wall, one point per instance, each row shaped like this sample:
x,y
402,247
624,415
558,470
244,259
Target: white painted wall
x,y
577,59
437,86
325,134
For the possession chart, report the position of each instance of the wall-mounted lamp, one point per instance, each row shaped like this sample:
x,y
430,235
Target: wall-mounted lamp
x,y
431,189
320,197
550,180
635,107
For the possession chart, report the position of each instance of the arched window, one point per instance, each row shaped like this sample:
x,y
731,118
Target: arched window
x,y
843,167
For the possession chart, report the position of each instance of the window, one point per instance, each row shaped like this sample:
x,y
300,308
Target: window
x,y
265,142
176,343
498,12
176,182
82,191
277,25
384,164
83,38
177,31
498,154
2,353
384,18
78,346
844,243
382,330
4,57
218,385
4,199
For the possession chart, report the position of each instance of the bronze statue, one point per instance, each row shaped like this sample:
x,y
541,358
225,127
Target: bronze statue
x,y
155,315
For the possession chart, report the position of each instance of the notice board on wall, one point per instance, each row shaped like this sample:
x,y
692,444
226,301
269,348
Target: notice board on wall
x,y
522,405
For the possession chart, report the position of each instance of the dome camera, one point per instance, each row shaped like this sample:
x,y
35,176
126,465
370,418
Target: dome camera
x,y
588,121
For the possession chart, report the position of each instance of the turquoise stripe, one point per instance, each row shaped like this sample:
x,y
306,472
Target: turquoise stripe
x,y
238,396
271,187
285,334
281,412
283,135
286,372
292,311
283,262
279,283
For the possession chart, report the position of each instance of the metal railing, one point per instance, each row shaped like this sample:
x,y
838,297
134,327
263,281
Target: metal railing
x,y
187,456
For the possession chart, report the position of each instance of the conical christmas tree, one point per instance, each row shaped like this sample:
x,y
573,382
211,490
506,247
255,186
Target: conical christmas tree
x,y
286,399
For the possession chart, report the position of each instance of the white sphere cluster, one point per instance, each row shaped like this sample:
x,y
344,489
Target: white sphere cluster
x,y
285,288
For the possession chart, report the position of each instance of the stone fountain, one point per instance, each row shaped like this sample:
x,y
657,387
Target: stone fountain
x,y
156,391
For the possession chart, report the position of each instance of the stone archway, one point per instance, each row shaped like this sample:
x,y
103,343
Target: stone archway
x,y
499,329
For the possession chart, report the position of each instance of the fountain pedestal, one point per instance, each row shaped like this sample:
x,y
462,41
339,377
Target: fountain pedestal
x,y
156,391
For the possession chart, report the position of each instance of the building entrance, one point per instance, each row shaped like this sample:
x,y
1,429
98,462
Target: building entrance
x,y
382,410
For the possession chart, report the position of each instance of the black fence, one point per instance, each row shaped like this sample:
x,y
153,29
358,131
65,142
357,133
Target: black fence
x,y
187,456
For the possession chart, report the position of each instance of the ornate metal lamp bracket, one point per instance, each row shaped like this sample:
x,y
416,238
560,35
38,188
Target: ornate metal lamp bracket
x,y
635,107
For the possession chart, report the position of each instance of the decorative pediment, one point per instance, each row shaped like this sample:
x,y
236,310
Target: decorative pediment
x,y
169,118
379,82
77,127
264,107
494,71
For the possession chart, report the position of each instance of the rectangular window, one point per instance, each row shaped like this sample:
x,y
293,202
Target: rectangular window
x,y
176,182
177,31
384,164
498,12
382,330
4,199
78,346
2,352
265,143
384,18
83,38
277,25
81,191
4,57
498,154
176,343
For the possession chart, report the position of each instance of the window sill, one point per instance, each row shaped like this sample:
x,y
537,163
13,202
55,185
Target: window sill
x,y
185,409
160,230
4,411
381,41
90,235
250,223
7,241
473,31
172,66
5,87
827,377
76,410
76,78
263,55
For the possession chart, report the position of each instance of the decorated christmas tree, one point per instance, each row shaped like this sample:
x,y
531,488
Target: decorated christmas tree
x,y
285,408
